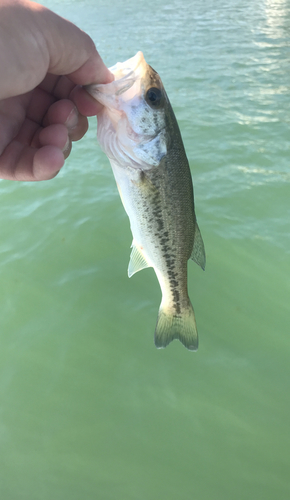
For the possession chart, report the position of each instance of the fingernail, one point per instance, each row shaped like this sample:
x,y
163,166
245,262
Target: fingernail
x,y
72,119
67,147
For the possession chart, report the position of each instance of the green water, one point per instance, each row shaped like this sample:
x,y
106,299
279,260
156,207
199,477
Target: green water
x,y
89,409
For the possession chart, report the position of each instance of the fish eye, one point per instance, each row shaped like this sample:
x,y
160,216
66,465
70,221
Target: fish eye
x,y
154,97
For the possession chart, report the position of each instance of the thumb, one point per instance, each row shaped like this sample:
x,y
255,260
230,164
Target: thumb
x,y
71,51
35,41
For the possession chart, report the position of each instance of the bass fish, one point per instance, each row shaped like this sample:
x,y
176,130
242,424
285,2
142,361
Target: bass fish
x,y
138,131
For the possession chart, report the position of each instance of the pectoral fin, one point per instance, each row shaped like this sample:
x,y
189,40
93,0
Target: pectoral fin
x,y
198,252
137,261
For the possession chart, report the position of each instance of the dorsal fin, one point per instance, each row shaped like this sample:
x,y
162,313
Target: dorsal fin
x,y
198,252
137,261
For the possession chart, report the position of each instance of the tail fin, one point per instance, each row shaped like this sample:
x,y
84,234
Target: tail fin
x,y
172,326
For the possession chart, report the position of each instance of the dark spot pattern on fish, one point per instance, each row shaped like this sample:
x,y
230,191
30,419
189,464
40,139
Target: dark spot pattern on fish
x,y
142,176
163,238
168,251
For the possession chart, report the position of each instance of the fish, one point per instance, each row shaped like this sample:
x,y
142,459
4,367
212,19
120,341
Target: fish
x,y
138,131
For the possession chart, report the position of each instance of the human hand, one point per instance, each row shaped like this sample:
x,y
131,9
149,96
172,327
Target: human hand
x,y
44,60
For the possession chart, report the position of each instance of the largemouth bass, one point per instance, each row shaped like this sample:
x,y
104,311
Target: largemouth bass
x,y
138,131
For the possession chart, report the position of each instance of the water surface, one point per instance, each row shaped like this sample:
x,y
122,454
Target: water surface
x,y
88,407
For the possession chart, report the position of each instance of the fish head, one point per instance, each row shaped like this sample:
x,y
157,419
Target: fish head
x,y
132,124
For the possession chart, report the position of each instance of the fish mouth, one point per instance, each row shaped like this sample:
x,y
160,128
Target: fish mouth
x,y
121,131
125,75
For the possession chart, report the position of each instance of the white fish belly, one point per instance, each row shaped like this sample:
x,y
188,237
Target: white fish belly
x,y
127,179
